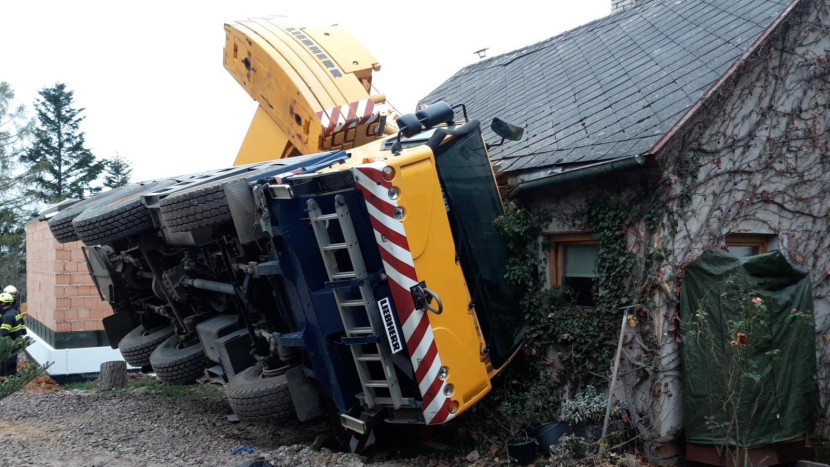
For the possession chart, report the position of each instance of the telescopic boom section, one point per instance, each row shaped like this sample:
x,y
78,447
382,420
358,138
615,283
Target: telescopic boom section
x,y
312,85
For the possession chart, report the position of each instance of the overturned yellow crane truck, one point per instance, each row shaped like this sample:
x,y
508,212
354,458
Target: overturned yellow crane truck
x,y
346,265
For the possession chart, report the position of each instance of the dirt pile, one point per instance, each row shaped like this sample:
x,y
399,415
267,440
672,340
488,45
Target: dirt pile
x,y
42,384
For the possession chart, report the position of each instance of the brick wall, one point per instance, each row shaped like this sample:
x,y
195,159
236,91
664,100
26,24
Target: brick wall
x,y
60,293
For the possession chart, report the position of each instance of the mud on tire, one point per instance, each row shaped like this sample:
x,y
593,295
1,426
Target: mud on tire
x,y
137,346
178,365
123,216
257,399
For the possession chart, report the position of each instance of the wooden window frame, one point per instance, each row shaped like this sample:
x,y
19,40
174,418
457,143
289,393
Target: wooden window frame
x,y
741,239
557,253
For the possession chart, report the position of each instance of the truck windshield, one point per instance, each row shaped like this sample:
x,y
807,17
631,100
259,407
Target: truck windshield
x,y
473,204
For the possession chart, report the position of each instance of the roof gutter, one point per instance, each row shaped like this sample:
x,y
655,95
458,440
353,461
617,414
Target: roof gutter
x,y
588,171
717,85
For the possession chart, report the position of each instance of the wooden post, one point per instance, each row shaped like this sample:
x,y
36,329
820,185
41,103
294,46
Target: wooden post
x,y
113,375
614,375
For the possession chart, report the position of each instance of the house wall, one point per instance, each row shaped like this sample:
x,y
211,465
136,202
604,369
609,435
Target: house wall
x,y
756,159
63,305
760,163
657,413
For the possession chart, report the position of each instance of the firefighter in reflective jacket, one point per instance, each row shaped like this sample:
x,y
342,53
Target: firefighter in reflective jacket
x,y
11,325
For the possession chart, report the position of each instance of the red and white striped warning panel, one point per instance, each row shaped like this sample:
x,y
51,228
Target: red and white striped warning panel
x,y
359,443
348,116
400,268
280,178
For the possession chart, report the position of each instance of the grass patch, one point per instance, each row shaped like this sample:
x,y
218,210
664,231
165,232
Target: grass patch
x,y
146,386
81,385
156,388
174,391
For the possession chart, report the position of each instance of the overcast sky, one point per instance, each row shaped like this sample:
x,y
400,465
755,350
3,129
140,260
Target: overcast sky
x,y
150,73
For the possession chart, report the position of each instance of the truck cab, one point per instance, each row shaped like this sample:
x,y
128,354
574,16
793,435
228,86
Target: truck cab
x,y
409,254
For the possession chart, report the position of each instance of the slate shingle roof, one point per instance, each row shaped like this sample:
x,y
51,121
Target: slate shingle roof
x,y
612,87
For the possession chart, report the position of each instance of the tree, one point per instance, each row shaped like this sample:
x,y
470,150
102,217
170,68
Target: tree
x,y
14,129
118,172
25,374
12,248
61,164
15,206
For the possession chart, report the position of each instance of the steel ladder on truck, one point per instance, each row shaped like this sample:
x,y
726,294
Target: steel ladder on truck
x,y
357,337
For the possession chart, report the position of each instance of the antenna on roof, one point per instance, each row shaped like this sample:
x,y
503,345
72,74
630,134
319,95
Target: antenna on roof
x,y
482,53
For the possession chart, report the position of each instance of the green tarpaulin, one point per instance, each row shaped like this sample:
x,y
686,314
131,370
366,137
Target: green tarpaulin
x,y
749,350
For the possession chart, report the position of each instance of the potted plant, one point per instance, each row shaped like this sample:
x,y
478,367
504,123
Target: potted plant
x,y
522,449
548,434
585,413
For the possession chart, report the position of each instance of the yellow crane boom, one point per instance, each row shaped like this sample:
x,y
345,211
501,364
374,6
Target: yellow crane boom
x,y
312,85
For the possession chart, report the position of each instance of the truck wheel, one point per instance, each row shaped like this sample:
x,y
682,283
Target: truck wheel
x,y
255,398
119,218
139,343
200,206
203,205
175,364
61,223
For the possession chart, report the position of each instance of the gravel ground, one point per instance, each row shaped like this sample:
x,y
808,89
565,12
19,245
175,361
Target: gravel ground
x,y
85,428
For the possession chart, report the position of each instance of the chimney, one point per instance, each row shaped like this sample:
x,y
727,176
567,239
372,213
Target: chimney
x,y
620,5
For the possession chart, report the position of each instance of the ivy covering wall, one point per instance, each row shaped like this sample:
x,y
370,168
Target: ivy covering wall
x,y
754,159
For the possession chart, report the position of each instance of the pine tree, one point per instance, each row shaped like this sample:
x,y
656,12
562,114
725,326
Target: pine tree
x,y
62,166
14,129
12,248
118,172
15,206
27,373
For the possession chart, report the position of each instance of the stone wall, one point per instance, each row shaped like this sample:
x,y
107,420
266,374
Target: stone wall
x,y
64,308
756,160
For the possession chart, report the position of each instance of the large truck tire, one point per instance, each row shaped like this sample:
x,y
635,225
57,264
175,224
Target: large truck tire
x,y
61,223
174,364
137,346
254,398
200,206
119,218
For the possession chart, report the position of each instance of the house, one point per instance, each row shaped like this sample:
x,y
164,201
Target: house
x,y
690,125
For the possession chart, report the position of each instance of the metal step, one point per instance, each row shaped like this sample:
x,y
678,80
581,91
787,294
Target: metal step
x,y
353,303
360,340
360,331
354,424
369,358
336,246
327,217
344,275
376,383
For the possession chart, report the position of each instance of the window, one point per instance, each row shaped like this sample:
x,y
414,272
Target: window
x,y
573,259
743,245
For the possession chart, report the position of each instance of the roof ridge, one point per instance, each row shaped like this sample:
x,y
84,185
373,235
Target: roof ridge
x,y
611,15
614,86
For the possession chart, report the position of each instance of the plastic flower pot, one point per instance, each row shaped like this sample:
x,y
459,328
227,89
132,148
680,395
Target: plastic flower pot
x,y
523,449
549,434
